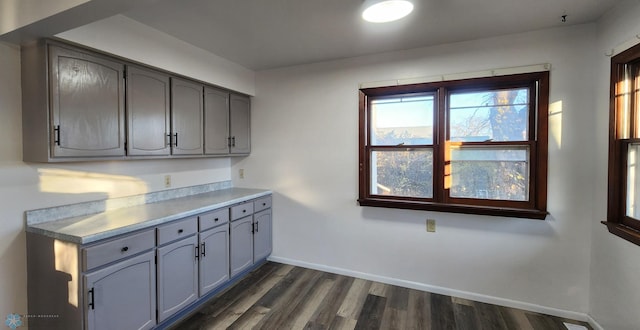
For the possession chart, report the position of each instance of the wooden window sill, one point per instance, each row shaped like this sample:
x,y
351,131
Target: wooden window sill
x,y
623,231
455,208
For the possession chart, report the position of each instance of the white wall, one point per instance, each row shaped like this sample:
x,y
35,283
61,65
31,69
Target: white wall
x,y
615,269
125,37
18,13
31,186
305,148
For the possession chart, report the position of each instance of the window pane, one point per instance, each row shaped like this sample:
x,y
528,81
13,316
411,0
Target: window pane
x,y
403,120
402,173
490,173
499,115
633,182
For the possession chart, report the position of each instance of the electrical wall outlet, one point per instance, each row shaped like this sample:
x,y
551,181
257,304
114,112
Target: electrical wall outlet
x,y
241,173
167,181
431,225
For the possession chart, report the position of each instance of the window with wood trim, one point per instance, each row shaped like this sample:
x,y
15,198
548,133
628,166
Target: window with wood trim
x,y
475,146
623,213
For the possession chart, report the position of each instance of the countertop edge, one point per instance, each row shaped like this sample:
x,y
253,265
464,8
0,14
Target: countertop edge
x,y
88,239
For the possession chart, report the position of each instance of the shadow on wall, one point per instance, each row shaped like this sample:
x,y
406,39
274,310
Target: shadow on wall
x,y
467,222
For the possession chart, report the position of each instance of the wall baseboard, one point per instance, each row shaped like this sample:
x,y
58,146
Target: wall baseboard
x,y
444,291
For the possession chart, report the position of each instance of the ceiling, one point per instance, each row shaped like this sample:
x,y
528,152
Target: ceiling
x,y
265,34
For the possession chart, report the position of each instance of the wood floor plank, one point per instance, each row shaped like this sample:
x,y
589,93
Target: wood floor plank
x,y
284,310
515,319
378,289
465,317
242,288
442,317
393,318
544,322
489,317
249,319
328,310
461,301
355,298
372,310
399,298
227,316
341,323
419,311
311,304
274,294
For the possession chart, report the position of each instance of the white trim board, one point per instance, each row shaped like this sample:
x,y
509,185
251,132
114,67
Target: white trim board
x,y
624,46
444,291
459,76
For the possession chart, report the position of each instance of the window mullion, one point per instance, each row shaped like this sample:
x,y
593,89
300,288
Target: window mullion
x,y
439,165
634,82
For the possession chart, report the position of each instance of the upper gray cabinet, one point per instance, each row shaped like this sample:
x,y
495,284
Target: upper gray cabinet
x,y
186,112
148,112
81,105
240,126
227,124
216,122
73,104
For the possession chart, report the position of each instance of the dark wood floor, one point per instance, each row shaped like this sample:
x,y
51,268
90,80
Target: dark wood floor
x,y
278,296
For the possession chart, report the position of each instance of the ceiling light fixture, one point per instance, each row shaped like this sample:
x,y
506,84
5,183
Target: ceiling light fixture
x,y
382,11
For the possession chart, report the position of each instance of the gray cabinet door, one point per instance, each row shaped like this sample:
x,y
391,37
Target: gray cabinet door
x,y
87,104
241,254
216,122
122,296
148,112
240,124
262,241
177,276
214,258
186,113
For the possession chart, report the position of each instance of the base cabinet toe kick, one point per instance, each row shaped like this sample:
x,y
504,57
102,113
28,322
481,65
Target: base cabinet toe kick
x,y
147,279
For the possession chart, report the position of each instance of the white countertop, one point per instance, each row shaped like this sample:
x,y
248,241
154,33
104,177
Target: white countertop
x,y
91,228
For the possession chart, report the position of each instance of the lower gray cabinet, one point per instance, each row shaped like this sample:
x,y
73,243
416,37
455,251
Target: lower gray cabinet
x,y
122,296
214,258
261,235
250,234
241,237
141,279
177,276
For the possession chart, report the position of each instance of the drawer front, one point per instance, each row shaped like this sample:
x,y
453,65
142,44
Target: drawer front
x,y
262,204
177,230
129,245
213,219
241,211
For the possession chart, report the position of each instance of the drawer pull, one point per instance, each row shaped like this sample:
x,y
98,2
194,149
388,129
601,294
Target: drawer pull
x,y
243,211
264,204
180,231
125,249
216,220
92,301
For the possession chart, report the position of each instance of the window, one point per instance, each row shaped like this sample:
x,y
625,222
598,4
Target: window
x,y
474,146
623,212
